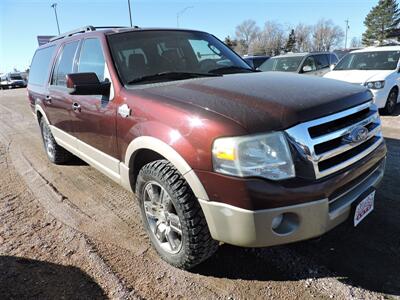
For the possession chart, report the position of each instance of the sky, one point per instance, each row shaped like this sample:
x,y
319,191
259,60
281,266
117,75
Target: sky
x,y
22,20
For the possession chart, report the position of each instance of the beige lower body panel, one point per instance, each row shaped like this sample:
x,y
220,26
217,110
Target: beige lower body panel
x,y
247,228
98,159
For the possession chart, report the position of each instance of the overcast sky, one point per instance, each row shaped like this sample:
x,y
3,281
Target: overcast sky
x,y
22,20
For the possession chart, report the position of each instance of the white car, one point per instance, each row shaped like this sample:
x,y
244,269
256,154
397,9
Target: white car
x,y
376,68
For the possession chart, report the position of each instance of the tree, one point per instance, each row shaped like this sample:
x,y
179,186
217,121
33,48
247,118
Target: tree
x,y
380,21
231,43
272,38
326,35
241,48
303,40
291,42
247,31
355,42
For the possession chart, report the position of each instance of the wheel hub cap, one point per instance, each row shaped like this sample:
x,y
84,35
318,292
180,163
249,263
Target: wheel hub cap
x,y
162,218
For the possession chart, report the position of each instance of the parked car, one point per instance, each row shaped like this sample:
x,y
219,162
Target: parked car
x,y
12,80
340,53
376,68
316,64
256,60
214,151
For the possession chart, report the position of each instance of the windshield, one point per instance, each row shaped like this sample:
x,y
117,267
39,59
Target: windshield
x,y
151,55
282,64
377,60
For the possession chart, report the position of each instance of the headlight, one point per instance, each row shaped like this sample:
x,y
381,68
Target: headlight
x,y
376,85
266,155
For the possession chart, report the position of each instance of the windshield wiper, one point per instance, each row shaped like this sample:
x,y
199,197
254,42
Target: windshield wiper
x,y
232,69
171,76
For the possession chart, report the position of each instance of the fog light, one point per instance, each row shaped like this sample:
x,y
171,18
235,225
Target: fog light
x,y
286,223
276,221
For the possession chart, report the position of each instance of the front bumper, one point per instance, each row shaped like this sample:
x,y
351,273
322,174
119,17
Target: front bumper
x,y
254,228
380,97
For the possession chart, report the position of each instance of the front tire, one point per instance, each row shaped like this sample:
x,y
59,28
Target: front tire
x,y
391,102
55,153
172,216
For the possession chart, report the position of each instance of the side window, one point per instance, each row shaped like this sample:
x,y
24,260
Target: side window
x,y
40,66
321,61
309,65
65,64
92,58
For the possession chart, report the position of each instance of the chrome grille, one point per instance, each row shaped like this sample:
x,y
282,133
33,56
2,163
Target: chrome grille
x,y
324,141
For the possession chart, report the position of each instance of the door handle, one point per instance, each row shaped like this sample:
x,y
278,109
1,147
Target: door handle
x,y
76,106
47,99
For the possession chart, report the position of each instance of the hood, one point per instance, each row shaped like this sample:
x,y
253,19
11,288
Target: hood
x,y
262,101
359,76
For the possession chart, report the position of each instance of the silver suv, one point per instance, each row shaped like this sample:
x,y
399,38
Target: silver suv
x,y
317,63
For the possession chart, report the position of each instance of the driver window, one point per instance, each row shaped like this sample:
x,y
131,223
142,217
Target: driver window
x,y
309,65
92,58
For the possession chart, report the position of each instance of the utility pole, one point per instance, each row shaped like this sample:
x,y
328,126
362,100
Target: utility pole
x,y
347,28
181,13
130,14
54,5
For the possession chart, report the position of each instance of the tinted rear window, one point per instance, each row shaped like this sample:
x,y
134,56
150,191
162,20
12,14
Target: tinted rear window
x,y
40,66
65,64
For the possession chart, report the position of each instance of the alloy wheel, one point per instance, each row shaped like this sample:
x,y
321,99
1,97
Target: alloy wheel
x,y
164,222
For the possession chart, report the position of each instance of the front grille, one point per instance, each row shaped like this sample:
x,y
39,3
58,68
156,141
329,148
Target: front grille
x,y
326,142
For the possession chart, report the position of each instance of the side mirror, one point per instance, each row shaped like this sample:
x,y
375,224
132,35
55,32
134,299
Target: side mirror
x,y
87,84
306,69
332,66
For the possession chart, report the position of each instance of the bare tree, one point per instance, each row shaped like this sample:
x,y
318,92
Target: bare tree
x,y
247,31
355,42
326,35
272,38
303,37
240,48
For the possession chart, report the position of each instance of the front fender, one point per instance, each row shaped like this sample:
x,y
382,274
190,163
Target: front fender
x,y
164,149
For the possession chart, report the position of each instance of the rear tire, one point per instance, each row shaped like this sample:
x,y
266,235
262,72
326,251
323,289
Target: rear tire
x,y
55,153
391,102
172,216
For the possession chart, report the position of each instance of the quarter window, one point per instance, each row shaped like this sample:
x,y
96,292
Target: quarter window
x,y
65,64
40,66
92,58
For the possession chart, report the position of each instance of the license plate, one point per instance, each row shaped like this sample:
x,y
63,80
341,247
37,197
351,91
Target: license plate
x,y
364,208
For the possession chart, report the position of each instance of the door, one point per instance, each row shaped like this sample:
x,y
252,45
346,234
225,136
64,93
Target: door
x,y
95,116
58,103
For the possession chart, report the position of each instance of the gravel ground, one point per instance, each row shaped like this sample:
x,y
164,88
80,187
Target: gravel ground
x,y
70,232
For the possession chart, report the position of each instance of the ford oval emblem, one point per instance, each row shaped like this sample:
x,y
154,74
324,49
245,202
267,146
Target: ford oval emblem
x,y
357,135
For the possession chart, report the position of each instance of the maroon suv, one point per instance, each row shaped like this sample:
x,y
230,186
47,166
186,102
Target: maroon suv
x,y
214,151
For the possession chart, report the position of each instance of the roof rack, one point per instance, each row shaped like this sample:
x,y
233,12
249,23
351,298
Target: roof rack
x,y
84,29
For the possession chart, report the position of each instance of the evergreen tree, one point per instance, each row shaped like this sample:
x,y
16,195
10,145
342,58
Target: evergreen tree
x,y
291,42
381,20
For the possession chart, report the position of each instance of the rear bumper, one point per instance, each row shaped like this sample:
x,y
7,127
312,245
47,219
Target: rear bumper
x,y
253,228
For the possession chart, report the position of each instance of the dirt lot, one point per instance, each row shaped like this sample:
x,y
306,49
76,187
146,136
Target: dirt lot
x,y
70,232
